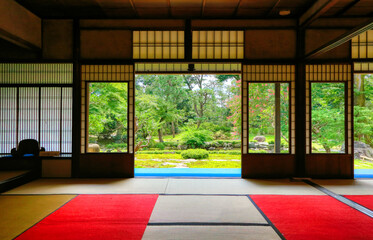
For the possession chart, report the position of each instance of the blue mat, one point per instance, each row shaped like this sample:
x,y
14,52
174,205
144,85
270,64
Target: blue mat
x,y
187,172
363,173
213,172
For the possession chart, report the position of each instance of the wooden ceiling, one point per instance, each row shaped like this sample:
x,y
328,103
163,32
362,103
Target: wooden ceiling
x,y
197,9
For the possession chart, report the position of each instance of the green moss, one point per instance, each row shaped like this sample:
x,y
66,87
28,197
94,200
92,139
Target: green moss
x,y
362,164
225,157
157,156
214,164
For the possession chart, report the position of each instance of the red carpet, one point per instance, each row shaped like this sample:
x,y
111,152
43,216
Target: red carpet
x,y
364,200
314,217
96,217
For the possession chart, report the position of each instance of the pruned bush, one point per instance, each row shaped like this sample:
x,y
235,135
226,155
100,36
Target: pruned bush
x,y
159,145
221,135
196,138
171,144
195,154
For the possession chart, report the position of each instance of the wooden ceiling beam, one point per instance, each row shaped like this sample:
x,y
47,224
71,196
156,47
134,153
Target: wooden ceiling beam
x,y
273,9
236,9
341,39
20,26
315,11
346,8
169,8
203,7
134,8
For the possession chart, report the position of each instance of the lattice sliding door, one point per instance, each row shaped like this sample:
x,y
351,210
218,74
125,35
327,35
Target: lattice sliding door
x,y
108,73
330,73
267,74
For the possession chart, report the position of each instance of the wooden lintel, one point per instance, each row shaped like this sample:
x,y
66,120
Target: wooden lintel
x,y
316,10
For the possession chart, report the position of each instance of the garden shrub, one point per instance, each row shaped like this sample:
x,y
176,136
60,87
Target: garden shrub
x,y
196,138
258,151
195,154
221,135
159,145
232,152
171,144
115,146
160,152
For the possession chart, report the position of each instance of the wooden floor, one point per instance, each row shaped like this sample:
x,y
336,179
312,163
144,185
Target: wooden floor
x,y
185,209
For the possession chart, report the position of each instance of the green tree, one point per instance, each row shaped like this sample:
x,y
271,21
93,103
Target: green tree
x,y
363,108
108,111
328,108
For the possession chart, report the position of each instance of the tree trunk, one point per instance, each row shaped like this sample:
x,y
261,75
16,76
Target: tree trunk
x,y
173,129
360,98
327,149
160,135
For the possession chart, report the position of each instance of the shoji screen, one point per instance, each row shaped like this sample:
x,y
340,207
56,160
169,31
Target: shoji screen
x,y
218,45
362,45
158,44
36,102
108,73
267,73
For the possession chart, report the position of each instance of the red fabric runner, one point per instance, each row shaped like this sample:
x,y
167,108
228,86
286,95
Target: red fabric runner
x,y
364,200
96,217
314,217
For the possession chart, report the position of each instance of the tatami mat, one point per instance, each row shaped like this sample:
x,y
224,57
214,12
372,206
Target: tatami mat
x,y
239,186
348,187
165,185
92,186
209,232
5,175
18,213
221,209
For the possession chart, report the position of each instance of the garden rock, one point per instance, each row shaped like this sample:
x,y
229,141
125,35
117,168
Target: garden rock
x,y
237,145
93,147
262,145
182,147
360,149
260,138
252,145
227,146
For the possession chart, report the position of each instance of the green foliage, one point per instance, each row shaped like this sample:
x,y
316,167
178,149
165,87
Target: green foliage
x,y
257,151
117,146
107,112
214,164
262,109
160,145
195,138
171,144
195,154
154,164
233,142
328,114
234,106
221,152
142,156
160,152
221,135
230,152
362,164
363,109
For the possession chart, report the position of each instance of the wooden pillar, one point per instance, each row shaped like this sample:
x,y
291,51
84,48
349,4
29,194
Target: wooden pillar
x,y
300,106
188,38
277,118
76,128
